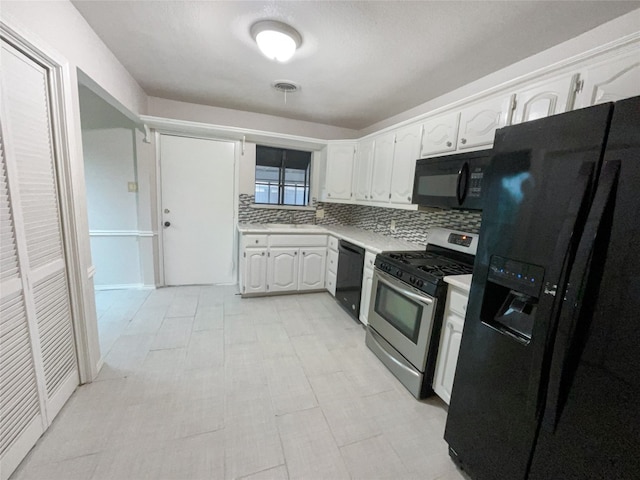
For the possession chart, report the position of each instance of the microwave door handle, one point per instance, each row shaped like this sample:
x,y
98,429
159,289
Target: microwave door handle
x,y
461,193
571,322
382,278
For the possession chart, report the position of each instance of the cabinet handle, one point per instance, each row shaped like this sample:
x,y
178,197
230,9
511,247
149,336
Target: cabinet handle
x,y
463,141
328,194
262,254
295,253
448,144
409,198
256,241
303,254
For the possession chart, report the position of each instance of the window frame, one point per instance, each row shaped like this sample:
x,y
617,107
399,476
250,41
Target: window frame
x,y
281,182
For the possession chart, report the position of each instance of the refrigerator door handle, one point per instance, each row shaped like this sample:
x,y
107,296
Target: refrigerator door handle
x,y
565,247
570,322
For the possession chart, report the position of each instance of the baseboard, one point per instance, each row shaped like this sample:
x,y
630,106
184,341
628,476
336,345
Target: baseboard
x,y
125,286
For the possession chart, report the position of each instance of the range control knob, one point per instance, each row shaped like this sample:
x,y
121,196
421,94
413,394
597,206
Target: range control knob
x,y
420,283
412,279
399,273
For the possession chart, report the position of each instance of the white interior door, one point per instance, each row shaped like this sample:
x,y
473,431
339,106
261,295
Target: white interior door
x,y
198,220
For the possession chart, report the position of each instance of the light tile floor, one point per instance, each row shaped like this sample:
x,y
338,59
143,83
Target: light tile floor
x,y
199,383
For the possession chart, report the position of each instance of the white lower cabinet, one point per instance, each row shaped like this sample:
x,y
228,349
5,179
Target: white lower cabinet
x,y
312,268
365,299
282,263
332,265
282,268
255,270
367,284
450,338
448,356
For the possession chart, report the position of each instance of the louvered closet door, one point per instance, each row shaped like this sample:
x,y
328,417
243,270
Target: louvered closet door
x,y
36,227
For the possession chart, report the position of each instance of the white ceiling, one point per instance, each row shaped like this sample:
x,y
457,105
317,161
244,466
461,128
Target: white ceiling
x,y
360,61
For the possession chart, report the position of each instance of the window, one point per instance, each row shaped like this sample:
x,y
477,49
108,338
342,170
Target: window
x,y
282,176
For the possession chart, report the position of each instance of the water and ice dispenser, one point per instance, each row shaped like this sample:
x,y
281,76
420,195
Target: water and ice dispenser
x,y
511,297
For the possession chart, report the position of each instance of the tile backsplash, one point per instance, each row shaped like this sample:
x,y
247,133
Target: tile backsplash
x,y
409,225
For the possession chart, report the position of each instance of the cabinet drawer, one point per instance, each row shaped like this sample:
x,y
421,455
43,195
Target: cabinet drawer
x,y
331,283
458,301
332,262
254,240
369,259
298,240
333,243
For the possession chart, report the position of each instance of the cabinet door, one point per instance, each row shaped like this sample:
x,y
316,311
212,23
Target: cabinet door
x,y
363,170
255,270
405,154
478,123
365,297
339,171
282,270
440,135
382,164
312,268
613,80
448,355
545,99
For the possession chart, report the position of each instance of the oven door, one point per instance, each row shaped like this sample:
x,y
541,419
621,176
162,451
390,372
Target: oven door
x,y
403,316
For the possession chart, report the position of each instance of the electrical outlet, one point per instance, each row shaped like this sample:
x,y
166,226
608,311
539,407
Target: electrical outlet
x,y
132,186
320,213
392,226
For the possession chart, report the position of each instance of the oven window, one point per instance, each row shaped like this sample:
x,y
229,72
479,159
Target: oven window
x,y
403,314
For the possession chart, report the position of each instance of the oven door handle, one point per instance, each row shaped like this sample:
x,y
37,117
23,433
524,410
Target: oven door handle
x,y
384,278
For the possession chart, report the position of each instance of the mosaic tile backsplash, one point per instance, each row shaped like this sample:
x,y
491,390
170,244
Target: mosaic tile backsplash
x,y
411,226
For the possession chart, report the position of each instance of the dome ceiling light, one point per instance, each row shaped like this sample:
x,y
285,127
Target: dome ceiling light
x,y
277,40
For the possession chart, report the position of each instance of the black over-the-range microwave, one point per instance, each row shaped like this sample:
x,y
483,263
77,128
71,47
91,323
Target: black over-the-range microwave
x,y
452,181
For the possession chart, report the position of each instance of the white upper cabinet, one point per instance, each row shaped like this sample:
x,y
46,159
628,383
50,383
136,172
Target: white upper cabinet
x,y
363,170
440,135
613,80
479,122
382,166
340,159
545,99
406,152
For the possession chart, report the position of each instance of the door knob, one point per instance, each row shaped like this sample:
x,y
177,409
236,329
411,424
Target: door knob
x,y
167,224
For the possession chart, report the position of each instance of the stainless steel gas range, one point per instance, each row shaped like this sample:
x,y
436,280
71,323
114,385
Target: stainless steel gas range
x,y
408,298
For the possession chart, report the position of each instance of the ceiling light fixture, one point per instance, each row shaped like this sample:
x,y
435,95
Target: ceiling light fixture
x,y
277,40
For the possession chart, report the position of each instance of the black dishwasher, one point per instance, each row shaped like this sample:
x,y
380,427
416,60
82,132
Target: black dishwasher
x,y
349,277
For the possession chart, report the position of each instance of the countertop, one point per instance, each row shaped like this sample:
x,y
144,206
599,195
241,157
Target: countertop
x,y
460,281
373,242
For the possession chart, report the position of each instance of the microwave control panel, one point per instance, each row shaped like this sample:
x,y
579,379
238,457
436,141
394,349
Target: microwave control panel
x,y
475,182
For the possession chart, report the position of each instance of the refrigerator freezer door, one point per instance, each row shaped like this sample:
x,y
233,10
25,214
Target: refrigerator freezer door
x,y
540,181
597,431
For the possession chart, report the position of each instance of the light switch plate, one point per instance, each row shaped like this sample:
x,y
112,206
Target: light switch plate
x,y
392,226
320,213
132,186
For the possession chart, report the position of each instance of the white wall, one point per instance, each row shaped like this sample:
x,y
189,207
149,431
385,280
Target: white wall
x,y
120,221
60,33
160,107
620,27
61,26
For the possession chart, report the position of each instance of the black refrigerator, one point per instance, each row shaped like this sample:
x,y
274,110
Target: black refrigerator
x,y
547,384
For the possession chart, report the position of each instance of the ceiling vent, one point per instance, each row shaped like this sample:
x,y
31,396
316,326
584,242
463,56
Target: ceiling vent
x,y
286,87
